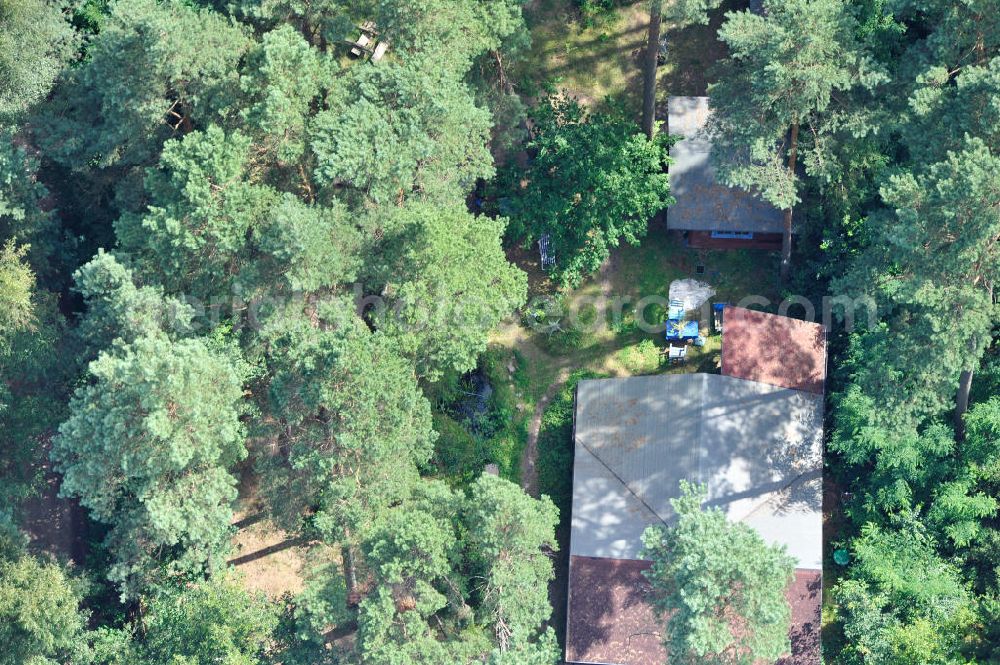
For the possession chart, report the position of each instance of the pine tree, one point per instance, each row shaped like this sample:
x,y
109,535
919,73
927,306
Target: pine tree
x,y
780,82
154,70
445,283
706,573
148,449
36,42
510,537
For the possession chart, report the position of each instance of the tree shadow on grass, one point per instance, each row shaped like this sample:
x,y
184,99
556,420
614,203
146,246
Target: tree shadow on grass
x,y
270,549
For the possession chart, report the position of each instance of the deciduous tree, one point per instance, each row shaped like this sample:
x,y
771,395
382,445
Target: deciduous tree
x,y
16,285
904,603
41,621
595,181
215,621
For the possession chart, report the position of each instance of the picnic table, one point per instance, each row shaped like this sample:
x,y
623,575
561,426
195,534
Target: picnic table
x,y
682,330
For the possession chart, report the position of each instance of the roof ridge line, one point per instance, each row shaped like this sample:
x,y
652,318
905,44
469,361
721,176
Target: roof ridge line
x,y
622,481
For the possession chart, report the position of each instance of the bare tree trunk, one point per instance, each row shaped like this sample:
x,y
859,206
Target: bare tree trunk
x,y
350,576
786,240
649,69
962,403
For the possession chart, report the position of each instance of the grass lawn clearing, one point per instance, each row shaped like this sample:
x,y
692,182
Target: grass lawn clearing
x,y
588,62
596,329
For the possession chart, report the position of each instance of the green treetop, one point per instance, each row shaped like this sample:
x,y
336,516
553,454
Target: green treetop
x,y
948,218
931,266
355,423
16,285
510,538
951,35
120,309
212,231
785,71
215,621
683,13
41,622
148,449
410,553
36,42
446,284
708,573
283,77
155,69
23,214
193,236
903,603
392,132
595,181
444,35
952,107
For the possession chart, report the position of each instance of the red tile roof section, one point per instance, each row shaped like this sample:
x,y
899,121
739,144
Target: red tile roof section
x,y
772,349
611,623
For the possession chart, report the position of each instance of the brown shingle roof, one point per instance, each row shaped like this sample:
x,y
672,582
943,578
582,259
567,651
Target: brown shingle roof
x,y
610,621
772,349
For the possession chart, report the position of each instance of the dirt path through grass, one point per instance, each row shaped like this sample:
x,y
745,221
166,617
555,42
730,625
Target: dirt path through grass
x,y
529,472
529,460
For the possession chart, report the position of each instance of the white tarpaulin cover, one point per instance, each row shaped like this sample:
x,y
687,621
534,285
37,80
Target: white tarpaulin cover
x,y
692,292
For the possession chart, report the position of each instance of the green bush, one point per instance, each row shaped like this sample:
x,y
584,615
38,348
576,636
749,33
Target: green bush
x,y
496,436
504,449
624,326
555,446
563,342
457,453
593,11
504,437
521,377
446,390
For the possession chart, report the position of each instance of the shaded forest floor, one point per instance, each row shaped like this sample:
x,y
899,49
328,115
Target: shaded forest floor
x,y
602,57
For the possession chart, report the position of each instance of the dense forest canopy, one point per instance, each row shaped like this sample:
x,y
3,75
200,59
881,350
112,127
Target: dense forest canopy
x,y
195,200
234,256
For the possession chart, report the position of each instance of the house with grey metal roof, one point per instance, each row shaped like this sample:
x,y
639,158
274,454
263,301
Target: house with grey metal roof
x,y
711,214
758,449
